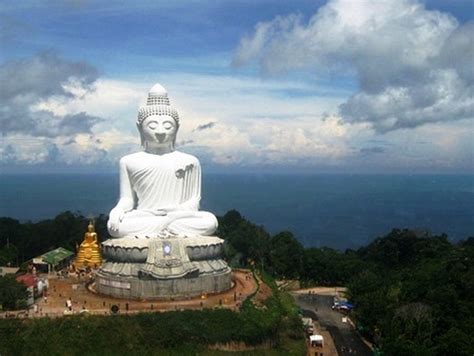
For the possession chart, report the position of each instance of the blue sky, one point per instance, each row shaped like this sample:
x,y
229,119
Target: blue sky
x,y
307,86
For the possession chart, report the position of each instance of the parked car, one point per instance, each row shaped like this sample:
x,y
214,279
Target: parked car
x,y
345,307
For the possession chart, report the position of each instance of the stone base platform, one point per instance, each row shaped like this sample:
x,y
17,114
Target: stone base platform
x,y
163,267
157,289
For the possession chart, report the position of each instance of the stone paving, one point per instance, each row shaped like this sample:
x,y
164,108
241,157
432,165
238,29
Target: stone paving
x,y
84,300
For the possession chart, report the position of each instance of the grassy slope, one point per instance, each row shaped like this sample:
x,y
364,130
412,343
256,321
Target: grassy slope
x,y
170,333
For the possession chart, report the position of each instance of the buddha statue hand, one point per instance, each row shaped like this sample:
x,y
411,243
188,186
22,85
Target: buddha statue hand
x,y
157,212
115,218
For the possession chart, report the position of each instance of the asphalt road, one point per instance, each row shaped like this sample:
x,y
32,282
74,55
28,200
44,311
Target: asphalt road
x,y
345,338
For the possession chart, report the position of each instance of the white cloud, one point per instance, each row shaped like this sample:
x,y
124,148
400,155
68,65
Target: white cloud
x,y
29,81
224,144
308,140
18,149
254,123
413,65
113,100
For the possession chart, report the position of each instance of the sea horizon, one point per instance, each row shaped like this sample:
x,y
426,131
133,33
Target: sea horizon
x,y
338,210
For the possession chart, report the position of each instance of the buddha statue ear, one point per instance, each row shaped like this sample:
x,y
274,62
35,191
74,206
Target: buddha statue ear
x,y
176,132
142,140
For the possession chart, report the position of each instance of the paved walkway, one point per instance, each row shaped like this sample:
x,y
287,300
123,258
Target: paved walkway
x,y
60,290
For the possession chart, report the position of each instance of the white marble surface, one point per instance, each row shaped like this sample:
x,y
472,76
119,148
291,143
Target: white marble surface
x,y
160,188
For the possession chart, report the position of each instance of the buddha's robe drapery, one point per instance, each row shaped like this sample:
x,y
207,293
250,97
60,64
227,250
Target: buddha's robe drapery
x,y
167,191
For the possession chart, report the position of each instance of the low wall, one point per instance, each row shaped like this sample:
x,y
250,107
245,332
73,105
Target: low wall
x,y
153,289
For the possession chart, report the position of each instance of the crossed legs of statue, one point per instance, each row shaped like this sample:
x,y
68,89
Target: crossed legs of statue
x,y
142,223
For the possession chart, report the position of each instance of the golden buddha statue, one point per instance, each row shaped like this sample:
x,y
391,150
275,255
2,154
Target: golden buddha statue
x,y
88,254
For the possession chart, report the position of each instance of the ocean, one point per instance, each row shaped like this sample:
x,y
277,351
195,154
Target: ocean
x,y
339,211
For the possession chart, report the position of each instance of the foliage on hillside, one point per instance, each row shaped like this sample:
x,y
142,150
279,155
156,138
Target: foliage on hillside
x,y
176,332
13,294
416,295
20,242
184,332
413,293
249,244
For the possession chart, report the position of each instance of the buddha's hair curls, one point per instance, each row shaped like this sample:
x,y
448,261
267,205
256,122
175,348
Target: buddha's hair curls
x,y
150,110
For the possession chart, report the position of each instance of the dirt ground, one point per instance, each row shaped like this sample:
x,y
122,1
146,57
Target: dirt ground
x,y
264,292
322,290
85,300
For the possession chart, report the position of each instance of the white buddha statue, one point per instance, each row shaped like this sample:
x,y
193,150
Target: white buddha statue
x,y
160,188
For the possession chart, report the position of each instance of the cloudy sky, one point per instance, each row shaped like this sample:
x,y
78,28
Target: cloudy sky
x,y
352,86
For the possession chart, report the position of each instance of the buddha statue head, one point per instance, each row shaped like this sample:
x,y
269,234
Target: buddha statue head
x,y
158,122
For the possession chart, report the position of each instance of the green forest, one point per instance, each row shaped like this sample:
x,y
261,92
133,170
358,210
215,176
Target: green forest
x,y
187,332
413,292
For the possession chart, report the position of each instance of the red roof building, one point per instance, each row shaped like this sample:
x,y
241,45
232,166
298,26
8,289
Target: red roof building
x,y
29,280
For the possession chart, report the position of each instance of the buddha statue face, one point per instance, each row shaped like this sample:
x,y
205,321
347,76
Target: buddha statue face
x,y
90,227
158,132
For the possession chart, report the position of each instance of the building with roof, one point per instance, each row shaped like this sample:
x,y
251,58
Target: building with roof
x,y
4,270
31,283
54,259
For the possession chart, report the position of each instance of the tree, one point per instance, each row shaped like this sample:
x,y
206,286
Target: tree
x,y
414,324
244,240
326,266
12,293
286,255
8,255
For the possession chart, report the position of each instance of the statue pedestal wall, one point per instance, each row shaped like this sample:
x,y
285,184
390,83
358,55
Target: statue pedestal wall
x,y
163,267
153,289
